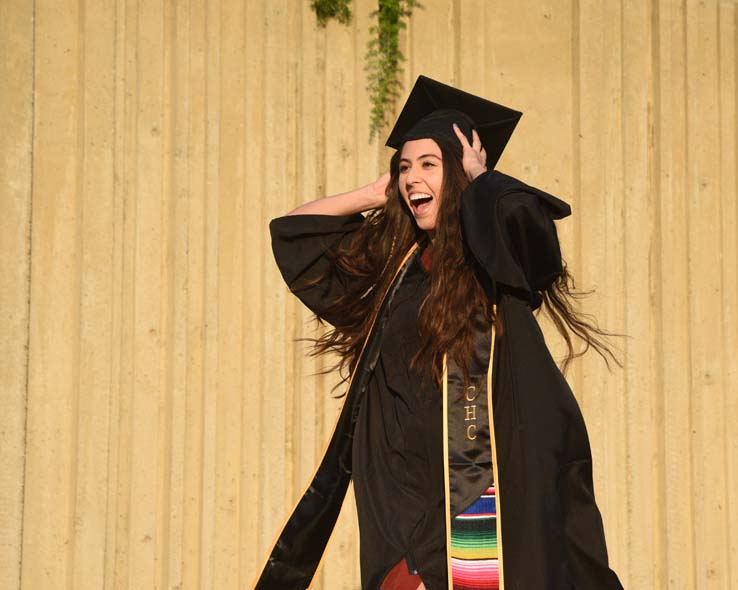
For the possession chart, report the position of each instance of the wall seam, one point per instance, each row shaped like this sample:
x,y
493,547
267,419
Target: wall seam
x,y
29,253
576,161
112,414
657,273
74,418
730,505
724,381
624,265
167,316
202,566
688,323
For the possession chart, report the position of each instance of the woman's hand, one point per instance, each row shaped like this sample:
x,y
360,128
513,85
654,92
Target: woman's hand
x,y
474,158
378,190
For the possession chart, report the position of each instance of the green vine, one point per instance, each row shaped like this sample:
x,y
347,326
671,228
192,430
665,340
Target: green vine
x,y
328,9
383,55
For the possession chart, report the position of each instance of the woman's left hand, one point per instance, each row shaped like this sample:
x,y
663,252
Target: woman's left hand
x,y
474,158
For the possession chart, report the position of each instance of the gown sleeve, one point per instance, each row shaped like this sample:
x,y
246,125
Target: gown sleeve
x,y
509,229
300,244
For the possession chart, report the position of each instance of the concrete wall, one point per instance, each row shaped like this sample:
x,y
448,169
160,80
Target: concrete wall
x,y
157,419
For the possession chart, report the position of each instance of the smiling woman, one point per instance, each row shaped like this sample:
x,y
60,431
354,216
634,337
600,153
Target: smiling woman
x,y
420,181
467,450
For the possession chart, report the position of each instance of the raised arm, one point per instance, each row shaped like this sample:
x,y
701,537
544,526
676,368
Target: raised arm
x,y
369,196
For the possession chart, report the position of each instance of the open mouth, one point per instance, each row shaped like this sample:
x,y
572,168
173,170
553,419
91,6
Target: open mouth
x,y
420,203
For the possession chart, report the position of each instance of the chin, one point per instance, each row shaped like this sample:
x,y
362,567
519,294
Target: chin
x,y
426,225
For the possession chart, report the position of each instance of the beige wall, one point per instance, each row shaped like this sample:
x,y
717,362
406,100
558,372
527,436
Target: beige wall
x,y
157,418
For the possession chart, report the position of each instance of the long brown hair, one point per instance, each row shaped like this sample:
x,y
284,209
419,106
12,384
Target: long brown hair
x,y
456,305
558,303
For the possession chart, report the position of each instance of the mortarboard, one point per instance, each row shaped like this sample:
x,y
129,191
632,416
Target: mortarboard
x,y
432,107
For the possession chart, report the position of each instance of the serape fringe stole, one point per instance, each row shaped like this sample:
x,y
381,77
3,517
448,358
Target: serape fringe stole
x,y
474,555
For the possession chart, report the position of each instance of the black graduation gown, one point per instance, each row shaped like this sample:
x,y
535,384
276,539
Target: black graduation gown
x,y
552,533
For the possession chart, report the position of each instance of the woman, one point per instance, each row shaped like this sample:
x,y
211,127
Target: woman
x,y
431,298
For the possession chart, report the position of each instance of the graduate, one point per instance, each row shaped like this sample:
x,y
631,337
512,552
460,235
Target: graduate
x,y
467,450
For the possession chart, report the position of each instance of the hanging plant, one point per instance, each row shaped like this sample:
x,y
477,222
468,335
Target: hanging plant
x,y
383,58
383,55
328,9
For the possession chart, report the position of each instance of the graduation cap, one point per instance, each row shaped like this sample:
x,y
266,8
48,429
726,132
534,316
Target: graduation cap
x,y
433,107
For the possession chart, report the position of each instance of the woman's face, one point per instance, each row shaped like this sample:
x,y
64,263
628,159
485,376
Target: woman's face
x,y
421,179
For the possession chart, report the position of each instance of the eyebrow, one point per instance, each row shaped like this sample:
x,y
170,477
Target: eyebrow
x,y
423,156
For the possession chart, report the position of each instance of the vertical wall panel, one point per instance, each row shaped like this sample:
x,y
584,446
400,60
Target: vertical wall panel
x,y
230,288
92,421
49,534
207,389
126,79
671,163
277,309
16,121
470,45
706,321
193,17
149,286
115,510
164,418
258,386
430,43
176,190
640,370
599,250
254,260
728,125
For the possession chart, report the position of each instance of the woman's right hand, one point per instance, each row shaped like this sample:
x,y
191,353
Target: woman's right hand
x,y
378,190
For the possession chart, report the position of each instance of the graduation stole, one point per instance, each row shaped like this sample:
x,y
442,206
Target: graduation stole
x,y
473,523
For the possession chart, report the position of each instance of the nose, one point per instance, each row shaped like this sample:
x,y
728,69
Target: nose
x,y
411,179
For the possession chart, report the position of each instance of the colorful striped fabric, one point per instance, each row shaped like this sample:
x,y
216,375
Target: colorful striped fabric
x,y
474,556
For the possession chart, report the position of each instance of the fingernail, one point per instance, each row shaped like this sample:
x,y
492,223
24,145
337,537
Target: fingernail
x,y
455,125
